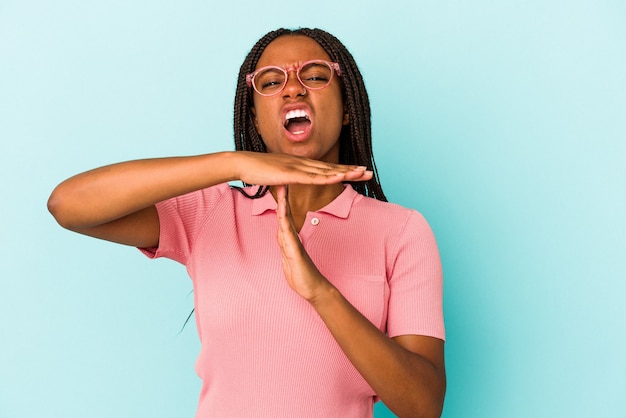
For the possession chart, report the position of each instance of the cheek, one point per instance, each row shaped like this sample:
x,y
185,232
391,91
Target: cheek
x,y
264,126
339,116
262,111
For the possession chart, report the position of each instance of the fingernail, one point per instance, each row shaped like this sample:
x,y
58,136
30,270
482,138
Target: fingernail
x,y
361,168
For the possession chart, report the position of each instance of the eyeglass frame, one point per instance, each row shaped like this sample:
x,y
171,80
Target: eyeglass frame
x,y
334,66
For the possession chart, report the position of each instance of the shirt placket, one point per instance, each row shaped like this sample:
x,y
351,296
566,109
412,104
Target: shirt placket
x,y
311,224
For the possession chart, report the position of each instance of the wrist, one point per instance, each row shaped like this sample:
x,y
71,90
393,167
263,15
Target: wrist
x,y
324,296
232,164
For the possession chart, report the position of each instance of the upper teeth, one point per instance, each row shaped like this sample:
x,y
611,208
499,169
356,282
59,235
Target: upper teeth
x,y
299,113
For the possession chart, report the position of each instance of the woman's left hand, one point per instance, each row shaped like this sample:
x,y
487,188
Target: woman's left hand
x,y
301,273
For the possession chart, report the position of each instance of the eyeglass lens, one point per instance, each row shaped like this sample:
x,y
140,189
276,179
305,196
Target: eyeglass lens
x,y
314,75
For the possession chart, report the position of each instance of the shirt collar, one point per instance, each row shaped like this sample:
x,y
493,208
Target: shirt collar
x,y
340,207
263,204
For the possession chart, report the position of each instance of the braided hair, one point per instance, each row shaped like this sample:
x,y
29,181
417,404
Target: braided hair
x,y
355,139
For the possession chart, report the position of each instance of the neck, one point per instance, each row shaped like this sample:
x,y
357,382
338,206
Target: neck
x,y
305,198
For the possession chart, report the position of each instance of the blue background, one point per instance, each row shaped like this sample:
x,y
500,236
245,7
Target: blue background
x,y
503,122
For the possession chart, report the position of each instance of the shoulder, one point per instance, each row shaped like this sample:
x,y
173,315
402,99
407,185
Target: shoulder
x,y
391,215
205,196
195,204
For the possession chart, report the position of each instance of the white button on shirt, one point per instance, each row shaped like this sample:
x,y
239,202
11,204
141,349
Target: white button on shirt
x,y
315,221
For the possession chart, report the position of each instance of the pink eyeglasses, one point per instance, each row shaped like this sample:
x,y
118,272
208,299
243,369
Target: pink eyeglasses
x,y
313,75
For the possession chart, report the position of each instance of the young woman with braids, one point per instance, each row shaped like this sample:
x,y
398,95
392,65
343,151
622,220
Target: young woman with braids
x,y
314,297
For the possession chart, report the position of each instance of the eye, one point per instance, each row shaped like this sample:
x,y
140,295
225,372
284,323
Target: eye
x,y
315,74
270,83
269,80
316,77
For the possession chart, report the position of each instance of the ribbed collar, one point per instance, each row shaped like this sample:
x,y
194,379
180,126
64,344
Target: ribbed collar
x,y
340,207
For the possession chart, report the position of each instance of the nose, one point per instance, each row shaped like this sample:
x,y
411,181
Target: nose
x,y
293,87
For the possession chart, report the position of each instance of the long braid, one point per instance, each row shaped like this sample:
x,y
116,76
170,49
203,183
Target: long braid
x,y
355,138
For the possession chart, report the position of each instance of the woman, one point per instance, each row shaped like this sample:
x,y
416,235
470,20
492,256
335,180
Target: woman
x,y
310,299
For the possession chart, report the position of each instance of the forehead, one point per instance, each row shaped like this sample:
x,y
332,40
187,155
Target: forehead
x,y
288,50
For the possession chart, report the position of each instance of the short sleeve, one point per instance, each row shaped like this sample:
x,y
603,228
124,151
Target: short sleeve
x,y
181,219
416,282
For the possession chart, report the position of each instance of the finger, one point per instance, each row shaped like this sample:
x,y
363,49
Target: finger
x,y
289,243
331,168
286,225
328,176
311,165
281,193
359,175
287,205
281,213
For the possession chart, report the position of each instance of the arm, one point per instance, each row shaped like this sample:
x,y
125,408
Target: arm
x,y
116,202
407,372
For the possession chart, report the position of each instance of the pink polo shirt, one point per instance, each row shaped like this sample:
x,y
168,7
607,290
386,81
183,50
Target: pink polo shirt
x,y
264,350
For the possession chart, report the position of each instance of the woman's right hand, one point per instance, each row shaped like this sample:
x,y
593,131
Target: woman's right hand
x,y
276,169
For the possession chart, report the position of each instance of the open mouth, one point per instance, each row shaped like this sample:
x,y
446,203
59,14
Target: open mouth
x,y
297,121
